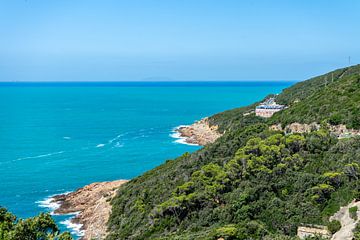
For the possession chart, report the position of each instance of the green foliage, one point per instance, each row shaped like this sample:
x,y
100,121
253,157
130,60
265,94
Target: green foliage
x,y
334,226
253,183
245,230
274,180
337,103
333,178
41,227
357,232
353,212
321,192
227,232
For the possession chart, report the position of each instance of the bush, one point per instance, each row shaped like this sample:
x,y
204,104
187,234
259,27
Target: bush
x,y
41,227
226,232
334,226
353,212
357,232
335,119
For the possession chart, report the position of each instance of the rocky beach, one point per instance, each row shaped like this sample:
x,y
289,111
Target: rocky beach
x,y
91,205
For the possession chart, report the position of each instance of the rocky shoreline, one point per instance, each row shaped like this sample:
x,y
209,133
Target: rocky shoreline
x,y
91,205
199,133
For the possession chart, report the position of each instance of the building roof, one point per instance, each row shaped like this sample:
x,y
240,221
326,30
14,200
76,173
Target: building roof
x,y
270,104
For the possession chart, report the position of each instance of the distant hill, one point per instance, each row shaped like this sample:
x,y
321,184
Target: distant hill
x,y
253,183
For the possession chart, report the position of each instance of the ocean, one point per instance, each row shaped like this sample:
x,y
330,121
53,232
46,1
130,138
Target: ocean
x,y
57,137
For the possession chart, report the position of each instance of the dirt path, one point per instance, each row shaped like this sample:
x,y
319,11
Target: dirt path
x,y
347,223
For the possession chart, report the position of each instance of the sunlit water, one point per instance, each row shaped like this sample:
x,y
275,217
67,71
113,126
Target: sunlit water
x,y
58,137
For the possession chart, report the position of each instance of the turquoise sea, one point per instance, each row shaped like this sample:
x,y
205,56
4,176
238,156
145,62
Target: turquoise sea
x,y
56,137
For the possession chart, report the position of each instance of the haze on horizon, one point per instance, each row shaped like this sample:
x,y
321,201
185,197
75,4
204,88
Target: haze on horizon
x,y
188,40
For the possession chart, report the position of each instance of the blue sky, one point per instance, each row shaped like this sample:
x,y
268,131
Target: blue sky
x,y
104,40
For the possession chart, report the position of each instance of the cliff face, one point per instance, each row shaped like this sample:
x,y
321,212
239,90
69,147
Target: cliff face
x,y
92,203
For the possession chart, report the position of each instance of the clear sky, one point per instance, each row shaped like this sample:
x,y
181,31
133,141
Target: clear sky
x,y
119,40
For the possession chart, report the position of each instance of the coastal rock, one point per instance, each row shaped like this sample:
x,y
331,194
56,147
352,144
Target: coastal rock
x,y
92,203
200,132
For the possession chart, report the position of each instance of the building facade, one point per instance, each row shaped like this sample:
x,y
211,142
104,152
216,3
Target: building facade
x,y
268,108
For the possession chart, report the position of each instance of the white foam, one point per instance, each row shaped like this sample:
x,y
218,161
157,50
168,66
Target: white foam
x,y
67,138
75,228
179,139
40,156
118,145
49,203
116,138
100,145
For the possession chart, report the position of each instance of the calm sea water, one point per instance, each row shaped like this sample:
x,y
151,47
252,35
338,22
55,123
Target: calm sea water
x,y
58,137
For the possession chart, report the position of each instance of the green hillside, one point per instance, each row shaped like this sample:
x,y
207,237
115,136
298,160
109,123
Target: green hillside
x,y
337,102
253,183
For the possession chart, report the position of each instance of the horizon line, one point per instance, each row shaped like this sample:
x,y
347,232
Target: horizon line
x,y
149,81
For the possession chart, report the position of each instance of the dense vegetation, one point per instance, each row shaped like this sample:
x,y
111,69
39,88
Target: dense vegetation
x,y
41,227
337,102
253,183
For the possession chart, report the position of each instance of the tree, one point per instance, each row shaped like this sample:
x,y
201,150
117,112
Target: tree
x,y
41,227
334,226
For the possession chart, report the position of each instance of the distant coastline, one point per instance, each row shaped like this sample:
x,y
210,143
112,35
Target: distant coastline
x,y
143,83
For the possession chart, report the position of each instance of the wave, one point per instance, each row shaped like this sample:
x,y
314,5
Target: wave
x,y
49,204
75,228
116,138
179,139
118,145
100,145
40,156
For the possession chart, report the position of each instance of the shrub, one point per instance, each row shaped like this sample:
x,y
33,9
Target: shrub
x,y
226,232
335,119
41,227
334,226
353,212
357,232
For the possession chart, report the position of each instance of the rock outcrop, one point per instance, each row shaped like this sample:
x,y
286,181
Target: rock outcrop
x,y
92,205
200,132
304,232
296,127
341,131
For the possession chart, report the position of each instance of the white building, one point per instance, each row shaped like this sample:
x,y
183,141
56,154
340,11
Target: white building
x,y
268,108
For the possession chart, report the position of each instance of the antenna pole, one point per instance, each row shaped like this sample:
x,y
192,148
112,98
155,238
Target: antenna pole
x,y
325,80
